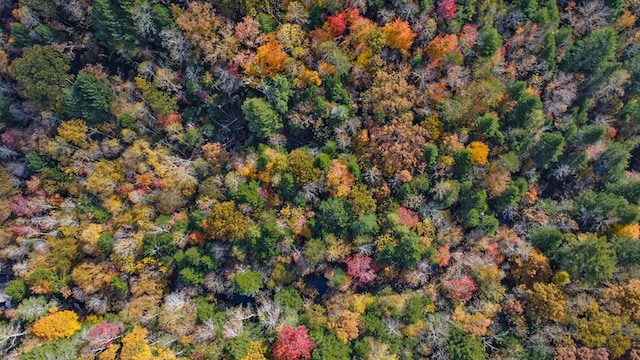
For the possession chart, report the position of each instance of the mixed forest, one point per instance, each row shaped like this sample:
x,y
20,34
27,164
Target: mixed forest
x,y
320,179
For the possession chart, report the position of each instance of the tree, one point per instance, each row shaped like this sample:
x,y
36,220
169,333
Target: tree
x,y
269,61
293,344
462,165
461,346
479,152
53,349
57,325
460,288
359,267
447,9
17,289
102,334
547,150
590,53
399,35
546,302
41,74
490,41
441,46
594,211
334,214
389,97
162,104
589,258
113,25
339,178
263,120
226,222
89,99
135,345
247,283
345,324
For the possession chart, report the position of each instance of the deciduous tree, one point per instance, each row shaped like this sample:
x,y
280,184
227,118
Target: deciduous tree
x,y
293,344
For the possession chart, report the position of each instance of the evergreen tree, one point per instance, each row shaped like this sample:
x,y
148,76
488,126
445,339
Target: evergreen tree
x,y
113,25
263,120
42,74
89,99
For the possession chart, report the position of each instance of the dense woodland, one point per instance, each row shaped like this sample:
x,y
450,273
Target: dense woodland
x,y
320,179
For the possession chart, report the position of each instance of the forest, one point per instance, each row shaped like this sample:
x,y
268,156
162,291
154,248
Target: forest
x,y
319,179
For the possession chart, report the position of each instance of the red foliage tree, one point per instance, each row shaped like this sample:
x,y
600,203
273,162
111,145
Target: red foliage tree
x,y
447,8
101,335
338,23
293,344
23,206
461,288
408,218
359,267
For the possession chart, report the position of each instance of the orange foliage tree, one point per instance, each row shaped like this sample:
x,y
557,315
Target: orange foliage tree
x,y
269,61
399,35
441,46
339,179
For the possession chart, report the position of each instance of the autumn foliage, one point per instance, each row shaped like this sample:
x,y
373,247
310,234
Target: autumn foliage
x,y
58,324
399,35
360,268
460,288
447,8
293,344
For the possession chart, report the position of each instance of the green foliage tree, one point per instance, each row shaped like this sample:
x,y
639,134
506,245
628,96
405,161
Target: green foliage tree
x,y
89,99
462,165
334,214
263,120
589,258
594,211
113,25
21,35
247,283
590,53
42,74
464,347
490,41
547,149
17,289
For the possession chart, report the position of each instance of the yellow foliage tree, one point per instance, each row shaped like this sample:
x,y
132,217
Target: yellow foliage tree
x,y
546,302
256,351
473,324
226,222
110,353
627,298
105,177
135,345
57,325
345,325
74,132
479,152
89,277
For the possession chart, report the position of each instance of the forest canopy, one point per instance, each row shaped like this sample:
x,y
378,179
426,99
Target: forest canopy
x,y
302,179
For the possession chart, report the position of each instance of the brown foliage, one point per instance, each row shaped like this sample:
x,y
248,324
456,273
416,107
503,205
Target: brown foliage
x,y
211,35
397,146
390,96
